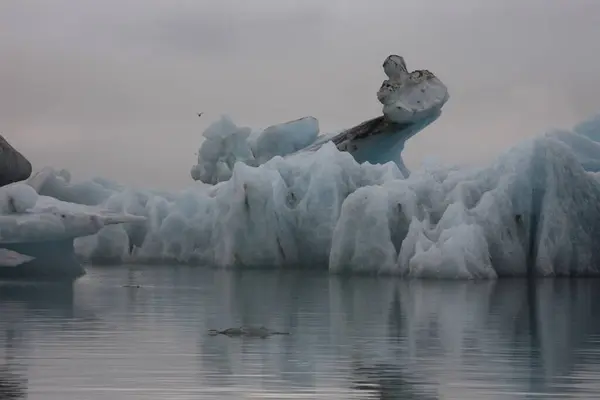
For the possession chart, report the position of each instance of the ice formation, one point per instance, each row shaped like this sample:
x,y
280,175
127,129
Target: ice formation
x,y
411,101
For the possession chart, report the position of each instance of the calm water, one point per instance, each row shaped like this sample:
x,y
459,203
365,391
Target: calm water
x,y
351,337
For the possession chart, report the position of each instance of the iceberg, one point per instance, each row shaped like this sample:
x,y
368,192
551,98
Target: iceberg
x,y
532,212
37,232
289,196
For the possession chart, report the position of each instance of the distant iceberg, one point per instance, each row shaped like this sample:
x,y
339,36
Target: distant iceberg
x,y
289,196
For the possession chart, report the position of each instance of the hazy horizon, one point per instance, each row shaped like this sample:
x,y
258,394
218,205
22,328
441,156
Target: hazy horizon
x,y
112,88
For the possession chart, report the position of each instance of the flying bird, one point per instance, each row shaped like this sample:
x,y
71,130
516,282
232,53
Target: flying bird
x,y
200,114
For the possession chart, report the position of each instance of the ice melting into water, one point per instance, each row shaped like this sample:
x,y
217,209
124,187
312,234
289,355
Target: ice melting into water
x,y
289,197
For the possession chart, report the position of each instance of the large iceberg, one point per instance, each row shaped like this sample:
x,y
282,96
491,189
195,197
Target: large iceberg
x,y
534,211
289,196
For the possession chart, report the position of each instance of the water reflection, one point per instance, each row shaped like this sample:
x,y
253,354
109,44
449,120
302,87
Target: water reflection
x,y
389,381
12,386
18,302
351,337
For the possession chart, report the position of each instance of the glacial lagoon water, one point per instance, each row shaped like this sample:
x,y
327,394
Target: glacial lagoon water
x,y
351,337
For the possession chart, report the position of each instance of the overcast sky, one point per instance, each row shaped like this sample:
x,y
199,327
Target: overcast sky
x,y
112,87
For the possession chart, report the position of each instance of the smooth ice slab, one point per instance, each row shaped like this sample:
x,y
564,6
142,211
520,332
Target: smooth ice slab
x,y
286,138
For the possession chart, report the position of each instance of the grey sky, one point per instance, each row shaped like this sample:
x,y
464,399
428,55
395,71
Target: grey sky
x,y
112,87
